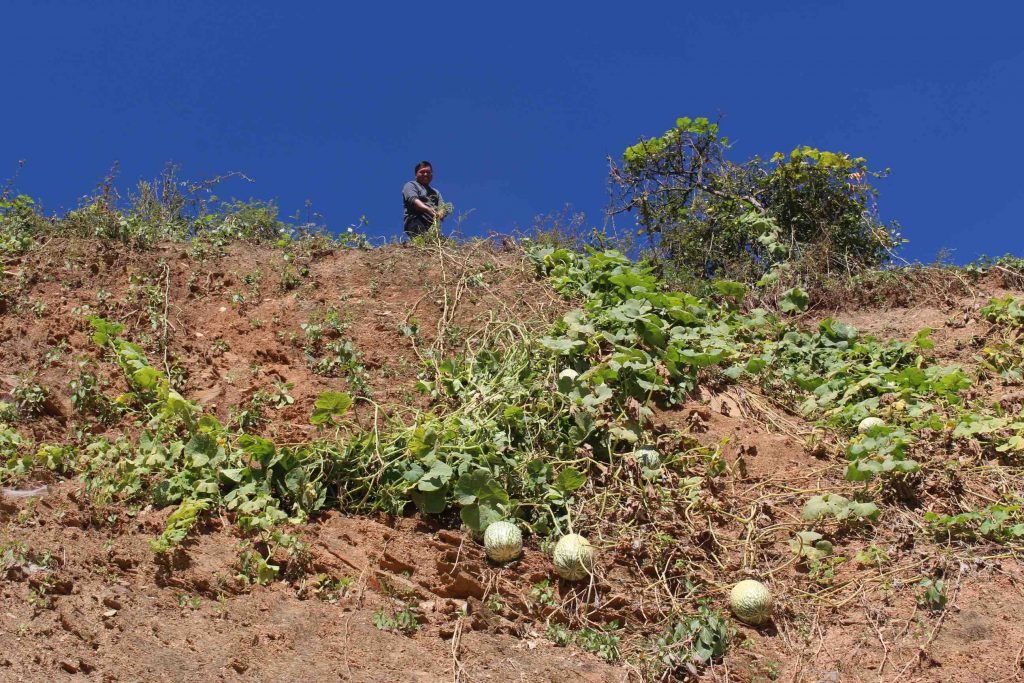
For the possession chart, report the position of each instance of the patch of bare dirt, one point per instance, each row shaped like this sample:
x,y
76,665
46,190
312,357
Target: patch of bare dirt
x,y
87,597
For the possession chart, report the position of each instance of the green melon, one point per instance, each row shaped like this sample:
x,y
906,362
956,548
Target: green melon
x,y
751,602
648,456
503,541
574,557
869,423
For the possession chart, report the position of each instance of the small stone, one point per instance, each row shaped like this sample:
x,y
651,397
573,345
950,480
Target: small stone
x,y
69,666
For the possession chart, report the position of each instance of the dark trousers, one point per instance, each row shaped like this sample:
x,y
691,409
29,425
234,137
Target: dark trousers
x,y
416,226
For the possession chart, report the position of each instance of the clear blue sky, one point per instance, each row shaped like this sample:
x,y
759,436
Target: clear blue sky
x,y
516,104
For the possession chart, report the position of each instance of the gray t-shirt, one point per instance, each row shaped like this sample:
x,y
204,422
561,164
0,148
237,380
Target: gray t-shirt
x,y
412,220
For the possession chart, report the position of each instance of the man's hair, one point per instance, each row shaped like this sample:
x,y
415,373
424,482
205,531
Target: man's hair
x,y
424,164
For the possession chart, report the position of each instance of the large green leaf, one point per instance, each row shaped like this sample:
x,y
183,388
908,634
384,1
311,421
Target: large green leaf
x,y
570,479
483,498
330,405
794,300
435,478
811,545
560,345
826,505
200,449
429,502
262,450
479,516
146,378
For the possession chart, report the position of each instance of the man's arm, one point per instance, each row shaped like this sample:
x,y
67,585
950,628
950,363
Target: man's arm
x,y
411,195
422,207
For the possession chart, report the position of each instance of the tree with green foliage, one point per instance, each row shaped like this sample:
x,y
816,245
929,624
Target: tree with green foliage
x,y
705,216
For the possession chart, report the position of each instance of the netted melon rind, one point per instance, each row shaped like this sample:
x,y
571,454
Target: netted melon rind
x,y
503,541
574,557
751,602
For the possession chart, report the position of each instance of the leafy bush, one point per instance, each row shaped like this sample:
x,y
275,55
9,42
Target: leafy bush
x,y
707,217
18,222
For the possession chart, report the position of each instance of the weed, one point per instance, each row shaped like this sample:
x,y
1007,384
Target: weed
x,y
543,593
558,634
327,588
410,329
190,601
250,415
768,668
931,593
494,602
602,642
17,553
823,571
55,353
289,279
403,621
872,556
255,566
27,512
279,396
87,397
219,347
329,353
29,397
39,596
693,641
999,522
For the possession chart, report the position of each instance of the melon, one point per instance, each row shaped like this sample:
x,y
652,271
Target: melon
x,y
648,457
751,602
574,557
503,541
869,423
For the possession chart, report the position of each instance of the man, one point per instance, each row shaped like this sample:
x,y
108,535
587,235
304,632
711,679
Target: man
x,y
421,203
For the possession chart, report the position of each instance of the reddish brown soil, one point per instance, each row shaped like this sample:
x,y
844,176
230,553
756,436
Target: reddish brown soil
x,y
105,608
866,625
114,614
229,350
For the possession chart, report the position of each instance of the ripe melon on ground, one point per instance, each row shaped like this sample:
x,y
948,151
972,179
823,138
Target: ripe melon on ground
x,y
751,602
503,541
869,423
574,557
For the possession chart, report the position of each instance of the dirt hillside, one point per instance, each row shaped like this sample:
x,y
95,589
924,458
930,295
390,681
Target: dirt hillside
x,y
254,335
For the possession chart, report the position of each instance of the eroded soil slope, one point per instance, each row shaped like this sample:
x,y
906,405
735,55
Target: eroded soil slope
x,y
256,334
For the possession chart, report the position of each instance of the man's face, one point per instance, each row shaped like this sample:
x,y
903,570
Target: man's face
x,y
424,175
